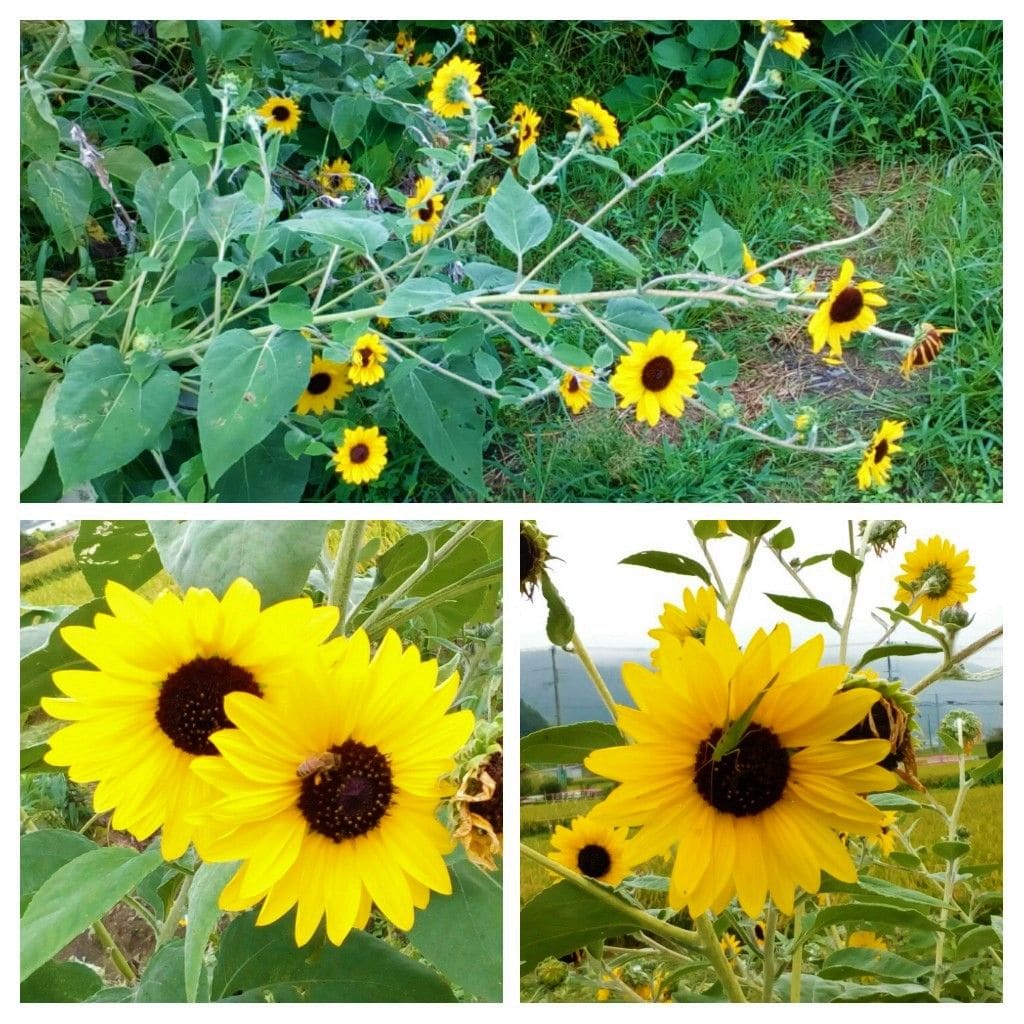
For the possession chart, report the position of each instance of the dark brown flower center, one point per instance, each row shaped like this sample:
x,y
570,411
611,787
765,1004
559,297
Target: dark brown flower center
x,y
492,810
359,454
365,356
281,112
330,24
426,212
529,554
657,373
191,702
593,860
335,181
573,386
749,779
349,799
847,306
881,450
318,383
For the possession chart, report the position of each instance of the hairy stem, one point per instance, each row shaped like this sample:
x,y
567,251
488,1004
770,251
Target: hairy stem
x,y
345,569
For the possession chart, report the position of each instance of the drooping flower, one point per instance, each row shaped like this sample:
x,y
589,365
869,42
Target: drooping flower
x,y
877,462
329,801
424,207
471,34
593,850
657,375
362,455
369,354
547,308
749,264
330,29
848,310
328,381
526,121
925,350
794,44
454,86
575,389
479,805
935,576
334,178
405,44
752,793
280,114
595,122
162,673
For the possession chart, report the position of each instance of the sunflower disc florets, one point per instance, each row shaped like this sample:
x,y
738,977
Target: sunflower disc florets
x,y
533,556
891,718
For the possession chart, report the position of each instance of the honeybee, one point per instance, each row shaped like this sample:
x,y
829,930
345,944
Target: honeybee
x,y
316,764
926,347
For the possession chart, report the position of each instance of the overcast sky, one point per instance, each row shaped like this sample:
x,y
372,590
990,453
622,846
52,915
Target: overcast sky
x,y
615,605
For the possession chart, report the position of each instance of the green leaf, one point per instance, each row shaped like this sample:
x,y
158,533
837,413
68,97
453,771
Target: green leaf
x,y
896,651
529,164
987,769
266,472
563,918
290,315
721,372
561,627
567,744
783,539
531,320
68,982
718,74
977,939
348,117
805,607
126,163
951,850
876,890
39,131
202,917
576,279
572,355
869,913
752,529
105,417
613,250
152,199
634,319
229,217
713,35
353,230
461,934
854,963
176,110
673,54
43,852
847,564
728,257
487,368
263,965
97,879
115,549
419,295
860,212
668,561
446,417
275,556
894,802
63,193
685,163
163,979
184,193
517,220
39,445
247,386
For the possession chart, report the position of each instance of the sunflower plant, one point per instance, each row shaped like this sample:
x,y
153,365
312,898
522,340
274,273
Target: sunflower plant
x,y
759,821
274,729
317,196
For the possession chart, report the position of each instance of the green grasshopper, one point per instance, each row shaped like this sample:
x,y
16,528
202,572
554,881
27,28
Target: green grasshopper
x,y
730,739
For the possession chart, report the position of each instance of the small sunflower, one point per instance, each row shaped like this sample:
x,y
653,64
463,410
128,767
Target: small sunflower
x,y
328,381
547,308
877,462
526,121
362,456
164,670
369,354
935,576
471,34
884,838
454,86
794,44
593,850
424,60
329,801
761,815
865,940
424,208
405,44
330,29
597,124
534,555
575,389
848,309
690,620
280,114
657,375
334,178
731,945
749,264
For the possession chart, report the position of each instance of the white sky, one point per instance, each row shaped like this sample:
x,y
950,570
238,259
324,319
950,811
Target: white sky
x,y
615,605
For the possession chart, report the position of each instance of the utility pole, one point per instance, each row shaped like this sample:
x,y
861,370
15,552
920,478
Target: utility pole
x,y
554,678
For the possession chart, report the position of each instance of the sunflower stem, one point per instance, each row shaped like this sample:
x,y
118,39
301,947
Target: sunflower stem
x,y
955,659
798,952
859,553
644,921
581,652
170,925
719,961
199,63
344,570
111,948
769,954
797,578
748,561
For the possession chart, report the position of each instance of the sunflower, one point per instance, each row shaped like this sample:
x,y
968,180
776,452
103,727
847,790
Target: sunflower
x,y
330,29
362,456
405,44
334,178
883,836
760,814
424,209
471,34
547,308
369,354
164,670
424,59
865,940
280,114
526,121
749,264
328,381
593,850
877,462
657,375
848,309
935,576
454,86
575,389
595,122
329,800
792,43
689,621
731,945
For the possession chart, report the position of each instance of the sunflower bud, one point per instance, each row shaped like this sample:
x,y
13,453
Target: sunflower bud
x,y
728,106
955,617
774,77
726,409
805,419
960,730
552,972
881,533
145,343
